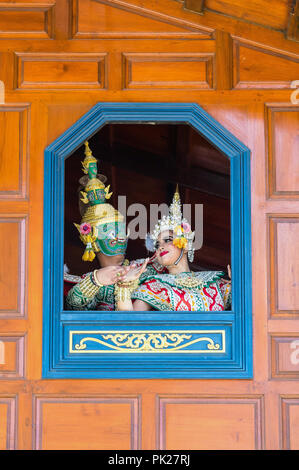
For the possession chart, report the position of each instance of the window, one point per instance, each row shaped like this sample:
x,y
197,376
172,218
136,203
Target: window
x,y
151,344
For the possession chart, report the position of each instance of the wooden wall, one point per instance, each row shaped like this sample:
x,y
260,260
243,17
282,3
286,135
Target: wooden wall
x,y
57,59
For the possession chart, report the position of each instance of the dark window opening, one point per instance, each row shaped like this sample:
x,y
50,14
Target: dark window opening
x,y
144,162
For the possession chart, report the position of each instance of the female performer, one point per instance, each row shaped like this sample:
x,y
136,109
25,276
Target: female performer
x,y
179,289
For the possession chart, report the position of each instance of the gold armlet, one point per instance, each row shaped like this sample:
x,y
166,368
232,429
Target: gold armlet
x,y
90,286
123,290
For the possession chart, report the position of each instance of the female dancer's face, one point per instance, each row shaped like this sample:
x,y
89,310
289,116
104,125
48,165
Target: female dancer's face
x,y
167,253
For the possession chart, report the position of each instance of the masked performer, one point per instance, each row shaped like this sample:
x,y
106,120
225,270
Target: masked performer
x,y
180,289
103,232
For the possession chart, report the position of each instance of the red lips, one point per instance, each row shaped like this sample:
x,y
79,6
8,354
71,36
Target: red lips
x,y
163,253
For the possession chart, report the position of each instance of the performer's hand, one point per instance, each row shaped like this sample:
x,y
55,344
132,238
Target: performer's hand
x,y
111,274
229,271
134,272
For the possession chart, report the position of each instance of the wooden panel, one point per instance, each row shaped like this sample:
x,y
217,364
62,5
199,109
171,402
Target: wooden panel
x,y
259,66
13,246
285,356
292,31
195,5
283,145
284,265
62,116
216,420
118,18
86,423
13,151
60,70
211,423
290,423
274,15
30,20
12,364
167,70
7,423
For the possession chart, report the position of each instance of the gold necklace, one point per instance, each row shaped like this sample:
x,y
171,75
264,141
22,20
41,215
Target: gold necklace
x,y
189,281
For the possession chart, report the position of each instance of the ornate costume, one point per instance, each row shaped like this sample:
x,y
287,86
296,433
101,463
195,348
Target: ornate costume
x,y
101,298
102,227
200,291
206,291
190,291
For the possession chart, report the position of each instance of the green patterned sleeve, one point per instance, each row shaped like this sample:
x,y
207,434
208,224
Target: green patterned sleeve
x,y
85,295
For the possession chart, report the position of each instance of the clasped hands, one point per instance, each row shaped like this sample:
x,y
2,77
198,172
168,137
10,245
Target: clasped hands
x,y
120,274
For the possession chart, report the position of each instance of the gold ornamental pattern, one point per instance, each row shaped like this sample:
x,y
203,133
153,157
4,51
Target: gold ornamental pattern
x,y
148,342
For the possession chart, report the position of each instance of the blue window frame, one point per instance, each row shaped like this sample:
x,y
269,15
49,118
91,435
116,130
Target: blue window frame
x,y
93,344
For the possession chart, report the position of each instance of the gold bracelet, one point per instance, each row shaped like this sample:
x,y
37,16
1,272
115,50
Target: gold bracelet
x,y
88,287
123,290
95,280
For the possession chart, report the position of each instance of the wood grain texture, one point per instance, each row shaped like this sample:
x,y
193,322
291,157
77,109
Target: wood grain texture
x,y
282,139
290,422
123,19
261,12
211,423
14,151
224,60
60,70
260,66
8,422
227,413
87,423
195,5
292,30
169,70
13,246
284,356
27,20
284,265
13,364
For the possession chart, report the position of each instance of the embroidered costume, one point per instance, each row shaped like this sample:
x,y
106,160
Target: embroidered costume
x,y
200,291
189,291
161,290
101,298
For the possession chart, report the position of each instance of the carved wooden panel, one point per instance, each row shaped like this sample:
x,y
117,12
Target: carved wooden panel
x,y
283,144
168,70
60,70
12,356
29,20
284,265
14,155
259,11
211,423
260,66
285,356
8,423
13,268
290,422
122,19
87,423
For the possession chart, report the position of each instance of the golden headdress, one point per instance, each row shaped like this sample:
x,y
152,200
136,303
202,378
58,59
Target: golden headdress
x,y
98,212
182,235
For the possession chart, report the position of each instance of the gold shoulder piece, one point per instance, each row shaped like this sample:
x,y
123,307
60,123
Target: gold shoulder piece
x,y
107,194
84,198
